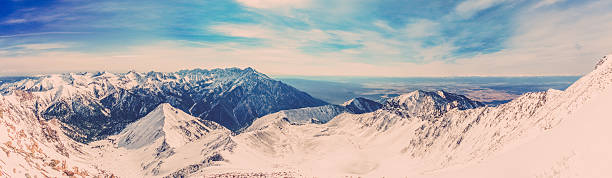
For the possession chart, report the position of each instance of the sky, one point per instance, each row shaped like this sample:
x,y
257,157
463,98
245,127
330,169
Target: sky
x,y
386,38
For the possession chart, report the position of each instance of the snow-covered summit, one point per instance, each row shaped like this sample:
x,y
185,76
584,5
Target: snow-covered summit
x,y
166,142
428,104
361,105
133,78
166,122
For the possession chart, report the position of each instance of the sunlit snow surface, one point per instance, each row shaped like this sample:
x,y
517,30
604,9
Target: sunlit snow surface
x,y
542,134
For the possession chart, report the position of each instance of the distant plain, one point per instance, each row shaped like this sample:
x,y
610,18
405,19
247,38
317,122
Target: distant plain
x,y
489,90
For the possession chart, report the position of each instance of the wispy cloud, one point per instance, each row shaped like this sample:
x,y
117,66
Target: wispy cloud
x,y
468,8
30,49
275,3
42,46
14,21
421,28
307,37
569,40
383,25
242,30
543,3
39,34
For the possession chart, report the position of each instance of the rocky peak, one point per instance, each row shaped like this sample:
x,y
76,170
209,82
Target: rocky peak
x,y
361,105
421,103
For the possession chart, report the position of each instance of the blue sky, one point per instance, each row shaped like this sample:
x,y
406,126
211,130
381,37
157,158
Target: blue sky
x,y
307,37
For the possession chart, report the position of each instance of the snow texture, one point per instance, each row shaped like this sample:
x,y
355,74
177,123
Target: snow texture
x,y
419,134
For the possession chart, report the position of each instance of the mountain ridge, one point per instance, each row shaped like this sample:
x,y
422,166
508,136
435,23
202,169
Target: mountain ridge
x,y
95,105
428,104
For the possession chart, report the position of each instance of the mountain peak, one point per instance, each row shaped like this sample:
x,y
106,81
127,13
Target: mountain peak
x,y
603,61
421,103
225,72
173,125
133,75
250,70
361,105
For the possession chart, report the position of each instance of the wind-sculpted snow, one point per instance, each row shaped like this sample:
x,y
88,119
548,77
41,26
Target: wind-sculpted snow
x,y
95,105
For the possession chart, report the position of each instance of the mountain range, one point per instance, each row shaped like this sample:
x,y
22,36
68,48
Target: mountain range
x,y
239,122
92,106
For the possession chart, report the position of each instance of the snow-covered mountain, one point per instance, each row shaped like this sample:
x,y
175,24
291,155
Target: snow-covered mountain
x,y
399,140
419,134
427,104
92,106
318,114
361,105
166,142
175,127
35,147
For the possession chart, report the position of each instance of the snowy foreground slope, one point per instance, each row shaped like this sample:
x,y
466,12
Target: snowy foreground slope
x,y
418,134
522,138
37,148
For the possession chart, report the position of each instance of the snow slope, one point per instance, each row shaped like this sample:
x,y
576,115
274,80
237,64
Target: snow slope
x,y
399,140
577,147
177,128
34,147
349,144
166,142
419,134
575,144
